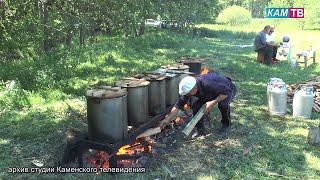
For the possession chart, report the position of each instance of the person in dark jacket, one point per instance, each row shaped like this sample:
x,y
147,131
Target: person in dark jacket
x,y
211,89
261,45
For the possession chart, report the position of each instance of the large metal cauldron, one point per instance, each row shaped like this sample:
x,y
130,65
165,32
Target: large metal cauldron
x,y
194,65
156,92
176,68
107,114
172,88
174,76
137,99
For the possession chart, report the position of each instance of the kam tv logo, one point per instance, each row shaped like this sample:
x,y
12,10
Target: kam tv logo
x,y
284,13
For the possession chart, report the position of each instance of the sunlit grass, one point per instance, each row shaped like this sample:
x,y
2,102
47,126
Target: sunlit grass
x,y
277,146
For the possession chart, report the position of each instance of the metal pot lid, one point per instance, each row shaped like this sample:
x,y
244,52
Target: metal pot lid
x,y
151,76
195,60
132,82
189,61
106,92
171,75
176,67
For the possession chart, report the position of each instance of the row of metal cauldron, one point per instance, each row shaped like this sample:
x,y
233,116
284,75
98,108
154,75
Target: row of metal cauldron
x,y
111,109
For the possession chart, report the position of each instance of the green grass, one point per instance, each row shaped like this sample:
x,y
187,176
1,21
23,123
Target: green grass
x,y
53,102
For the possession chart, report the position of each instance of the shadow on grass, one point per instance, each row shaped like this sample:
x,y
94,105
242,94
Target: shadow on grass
x,y
255,148
258,146
33,135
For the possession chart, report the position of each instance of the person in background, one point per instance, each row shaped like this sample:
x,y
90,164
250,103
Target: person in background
x,y
271,41
211,89
262,46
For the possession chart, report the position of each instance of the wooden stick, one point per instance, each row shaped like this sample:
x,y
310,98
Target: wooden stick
x,y
149,132
187,130
317,107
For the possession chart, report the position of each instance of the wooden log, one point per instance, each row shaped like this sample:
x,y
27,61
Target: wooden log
x,y
317,106
317,78
187,130
149,132
314,136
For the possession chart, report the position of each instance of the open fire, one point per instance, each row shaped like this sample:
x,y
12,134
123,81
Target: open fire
x,y
130,155
134,150
205,70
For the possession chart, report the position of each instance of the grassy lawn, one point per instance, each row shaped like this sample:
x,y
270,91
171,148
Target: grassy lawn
x,y
33,121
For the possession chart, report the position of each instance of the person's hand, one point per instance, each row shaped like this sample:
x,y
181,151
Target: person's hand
x,y
188,112
165,122
210,105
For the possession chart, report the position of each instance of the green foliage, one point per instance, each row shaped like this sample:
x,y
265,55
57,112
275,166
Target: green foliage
x,y
234,15
12,96
311,18
259,146
29,28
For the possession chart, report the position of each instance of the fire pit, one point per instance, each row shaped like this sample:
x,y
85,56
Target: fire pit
x,y
110,154
110,140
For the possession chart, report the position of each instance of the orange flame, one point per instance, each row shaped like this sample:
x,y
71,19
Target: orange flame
x,y
100,160
135,148
204,70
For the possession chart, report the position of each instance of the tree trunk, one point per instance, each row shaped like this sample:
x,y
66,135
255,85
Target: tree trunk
x,y
45,22
81,35
142,28
69,38
252,8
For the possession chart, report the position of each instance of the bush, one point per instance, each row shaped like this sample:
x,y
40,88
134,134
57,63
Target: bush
x,y
234,15
13,96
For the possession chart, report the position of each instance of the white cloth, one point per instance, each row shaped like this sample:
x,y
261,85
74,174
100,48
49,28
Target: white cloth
x,y
270,38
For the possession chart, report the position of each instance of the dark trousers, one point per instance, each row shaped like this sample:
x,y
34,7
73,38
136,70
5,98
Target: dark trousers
x,y
224,107
274,53
268,53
